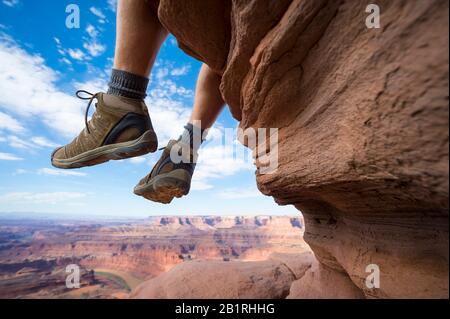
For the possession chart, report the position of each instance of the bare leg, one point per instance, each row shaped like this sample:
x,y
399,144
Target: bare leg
x,y
138,38
208,101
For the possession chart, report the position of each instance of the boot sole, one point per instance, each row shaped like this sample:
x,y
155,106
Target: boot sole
x,y
163,189
146,143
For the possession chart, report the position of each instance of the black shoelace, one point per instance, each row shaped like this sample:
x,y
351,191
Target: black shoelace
x,y
91,97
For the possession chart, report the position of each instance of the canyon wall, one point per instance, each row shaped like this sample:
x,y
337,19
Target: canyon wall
x,y
147,248
363,127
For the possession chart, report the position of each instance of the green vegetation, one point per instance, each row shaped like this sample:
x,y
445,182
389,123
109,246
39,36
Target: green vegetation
x,y
115,278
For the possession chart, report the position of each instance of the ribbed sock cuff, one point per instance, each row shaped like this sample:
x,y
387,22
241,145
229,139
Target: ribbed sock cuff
x,y
128,85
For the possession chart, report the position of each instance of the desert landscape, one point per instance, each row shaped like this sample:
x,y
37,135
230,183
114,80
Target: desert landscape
x,y
122,259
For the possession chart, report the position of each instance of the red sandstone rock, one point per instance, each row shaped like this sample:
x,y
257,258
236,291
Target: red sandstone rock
x,y
363,126
208,31
268,279
321,282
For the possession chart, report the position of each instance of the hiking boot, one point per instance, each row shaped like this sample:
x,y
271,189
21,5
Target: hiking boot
x,y
167,178
120,128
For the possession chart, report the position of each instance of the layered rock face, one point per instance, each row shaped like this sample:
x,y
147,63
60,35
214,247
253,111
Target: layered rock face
x,y
116,256
363,127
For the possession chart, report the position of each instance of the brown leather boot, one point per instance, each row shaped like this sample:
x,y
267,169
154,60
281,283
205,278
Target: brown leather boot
x,y
120,128
168,179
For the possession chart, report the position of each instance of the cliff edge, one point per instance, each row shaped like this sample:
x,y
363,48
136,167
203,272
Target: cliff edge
x,y
363,127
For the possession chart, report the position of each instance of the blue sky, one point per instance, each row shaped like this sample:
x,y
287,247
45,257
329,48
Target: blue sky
x,y
42,64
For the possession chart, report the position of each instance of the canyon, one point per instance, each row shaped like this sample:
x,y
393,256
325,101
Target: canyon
x,y
362,118
116,256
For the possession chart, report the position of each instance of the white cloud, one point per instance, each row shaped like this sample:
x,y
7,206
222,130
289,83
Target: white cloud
x,y
199,185
20,171
180,71
92,31
173,41
168,67
138,160
29,90
9,157
62,51
43,142
97,12
95,85
66,61
59,172
238,193
77,54
10,3
34,142
40,198
168,117
95,49
169,89
92,45
112,5
161,73
215,162
49,171
9,123
18,142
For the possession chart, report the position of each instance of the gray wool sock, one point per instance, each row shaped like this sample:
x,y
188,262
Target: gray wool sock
x,y
128,85
190,133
